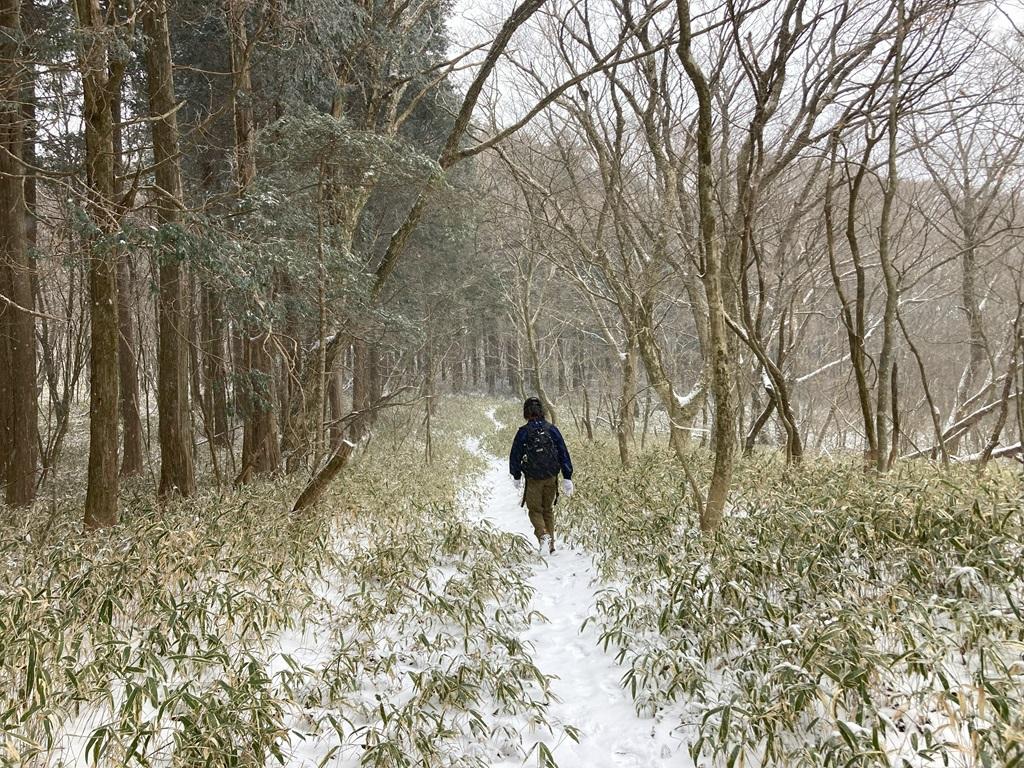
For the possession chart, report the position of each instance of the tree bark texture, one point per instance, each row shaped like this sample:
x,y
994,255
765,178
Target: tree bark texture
x,y
884,428
100,86
128,366
215,372
177,474
19,458
724,431
127,361
261,450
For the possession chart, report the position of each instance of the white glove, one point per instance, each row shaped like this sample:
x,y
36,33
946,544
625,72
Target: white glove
x,y
567,488
518,481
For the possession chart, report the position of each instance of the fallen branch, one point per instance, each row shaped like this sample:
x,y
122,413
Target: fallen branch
x,y
318,485
16,306
958,429
1007,451
322,480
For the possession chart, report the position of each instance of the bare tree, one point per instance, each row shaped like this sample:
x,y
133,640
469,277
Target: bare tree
x,y
971,149
724,440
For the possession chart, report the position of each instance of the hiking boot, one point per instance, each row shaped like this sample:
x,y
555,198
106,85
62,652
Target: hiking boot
x,y
546,544
551,549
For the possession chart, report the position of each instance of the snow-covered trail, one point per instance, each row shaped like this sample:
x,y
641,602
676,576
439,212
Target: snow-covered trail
x,y
587,679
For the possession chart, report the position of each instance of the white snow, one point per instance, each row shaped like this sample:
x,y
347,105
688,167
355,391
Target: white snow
x,y
611,735
590,704
685,401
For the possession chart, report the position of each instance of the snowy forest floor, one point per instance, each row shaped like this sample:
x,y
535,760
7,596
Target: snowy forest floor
x,y
839,619
586,680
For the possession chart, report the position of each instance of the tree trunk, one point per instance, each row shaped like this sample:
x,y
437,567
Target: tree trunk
x,y
626,421
852,311
261,450
127,361
22,406
195,347
536,380
128,365
491,363
366,386
456,359
588,423
1004,399
979,353
99,86
301,405
323,372
215,376
933,410
177,474
681,412
759,424
322,480
334,392
31,25
724,438
886,358
6,378
563,377
511,369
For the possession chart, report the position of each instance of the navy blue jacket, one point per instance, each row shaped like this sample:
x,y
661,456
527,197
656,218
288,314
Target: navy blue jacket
x,y
515,458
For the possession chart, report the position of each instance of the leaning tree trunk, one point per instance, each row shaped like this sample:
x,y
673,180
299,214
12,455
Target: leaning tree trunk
x,y
759,421
450,155
15,316
1016,344
316,487
777,389
99,87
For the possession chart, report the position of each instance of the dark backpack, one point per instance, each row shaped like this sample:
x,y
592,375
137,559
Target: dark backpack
x,y
540,457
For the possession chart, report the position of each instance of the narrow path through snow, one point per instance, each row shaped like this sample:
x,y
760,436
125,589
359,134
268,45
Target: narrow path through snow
x,y
587,684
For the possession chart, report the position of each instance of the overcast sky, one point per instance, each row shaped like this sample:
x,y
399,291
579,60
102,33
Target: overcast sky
x,y
474,22
473,19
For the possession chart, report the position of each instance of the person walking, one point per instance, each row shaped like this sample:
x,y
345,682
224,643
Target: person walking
x,y
538,455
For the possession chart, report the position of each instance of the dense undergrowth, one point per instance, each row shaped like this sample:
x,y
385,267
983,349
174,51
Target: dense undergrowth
x,y
838,619
379,631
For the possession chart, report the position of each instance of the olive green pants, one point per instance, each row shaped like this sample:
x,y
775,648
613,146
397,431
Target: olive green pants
x,y
540,503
